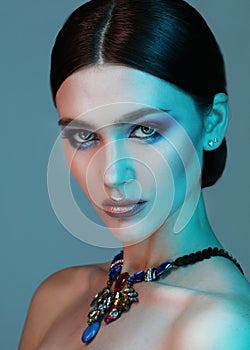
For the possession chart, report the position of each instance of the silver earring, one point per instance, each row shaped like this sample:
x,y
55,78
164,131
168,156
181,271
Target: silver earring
x,y
213,142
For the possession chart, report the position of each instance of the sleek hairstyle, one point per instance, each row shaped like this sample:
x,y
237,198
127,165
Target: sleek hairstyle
x,y
165,38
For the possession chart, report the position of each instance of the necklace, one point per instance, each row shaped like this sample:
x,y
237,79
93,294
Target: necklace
x,y
111,302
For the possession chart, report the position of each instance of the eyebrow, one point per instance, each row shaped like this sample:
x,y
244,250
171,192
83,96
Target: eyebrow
x,y
126,118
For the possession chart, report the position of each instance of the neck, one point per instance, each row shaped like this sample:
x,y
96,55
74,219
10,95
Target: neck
x,y
165,245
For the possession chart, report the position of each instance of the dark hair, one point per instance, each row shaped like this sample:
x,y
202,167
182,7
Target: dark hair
x,y
165,38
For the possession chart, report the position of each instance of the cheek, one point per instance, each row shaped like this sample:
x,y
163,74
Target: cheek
x,y
186,142
77,164
88,168
182,154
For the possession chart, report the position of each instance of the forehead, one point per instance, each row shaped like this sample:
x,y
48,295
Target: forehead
x,y
91,88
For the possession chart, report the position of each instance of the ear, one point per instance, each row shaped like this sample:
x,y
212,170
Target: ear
x,y
216,122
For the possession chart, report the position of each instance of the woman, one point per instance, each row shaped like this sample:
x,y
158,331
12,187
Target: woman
x,y
140,90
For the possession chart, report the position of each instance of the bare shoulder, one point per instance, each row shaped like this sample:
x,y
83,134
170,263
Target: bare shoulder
x,y
215,322
54,294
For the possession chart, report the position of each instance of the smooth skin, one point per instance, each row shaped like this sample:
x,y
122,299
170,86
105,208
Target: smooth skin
x,y
202,306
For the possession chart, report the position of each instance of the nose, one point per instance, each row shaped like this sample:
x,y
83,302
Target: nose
x,y
119,165
119,173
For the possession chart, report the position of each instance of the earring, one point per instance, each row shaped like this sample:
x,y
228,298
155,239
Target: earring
x,y
213,142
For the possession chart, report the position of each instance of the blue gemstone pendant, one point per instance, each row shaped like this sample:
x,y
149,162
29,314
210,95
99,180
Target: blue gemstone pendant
x,y
90,332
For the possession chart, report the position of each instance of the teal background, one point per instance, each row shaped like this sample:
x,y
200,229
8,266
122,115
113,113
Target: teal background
x,y
33,242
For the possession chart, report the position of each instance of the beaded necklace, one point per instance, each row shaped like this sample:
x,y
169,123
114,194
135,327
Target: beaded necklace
x,y
110,303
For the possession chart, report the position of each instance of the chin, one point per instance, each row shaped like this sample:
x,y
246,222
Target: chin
x,y
133,233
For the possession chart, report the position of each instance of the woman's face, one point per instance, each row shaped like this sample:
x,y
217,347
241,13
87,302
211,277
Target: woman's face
x,y
133,143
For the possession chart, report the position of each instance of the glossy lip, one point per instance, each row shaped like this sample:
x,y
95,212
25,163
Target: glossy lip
x,y
123,208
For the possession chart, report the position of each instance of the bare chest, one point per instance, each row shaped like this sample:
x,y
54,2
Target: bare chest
x,y
147,325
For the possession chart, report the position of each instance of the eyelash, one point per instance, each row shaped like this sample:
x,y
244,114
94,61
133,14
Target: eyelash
x,y
71,135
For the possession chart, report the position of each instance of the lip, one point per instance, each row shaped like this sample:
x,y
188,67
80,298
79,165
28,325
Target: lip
x,y
123,209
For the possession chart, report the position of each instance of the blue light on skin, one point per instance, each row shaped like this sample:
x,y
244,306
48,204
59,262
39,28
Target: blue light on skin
x,y
117,152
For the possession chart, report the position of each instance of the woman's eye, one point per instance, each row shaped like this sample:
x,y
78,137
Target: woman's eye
x,y
79,138
83,136
145,132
